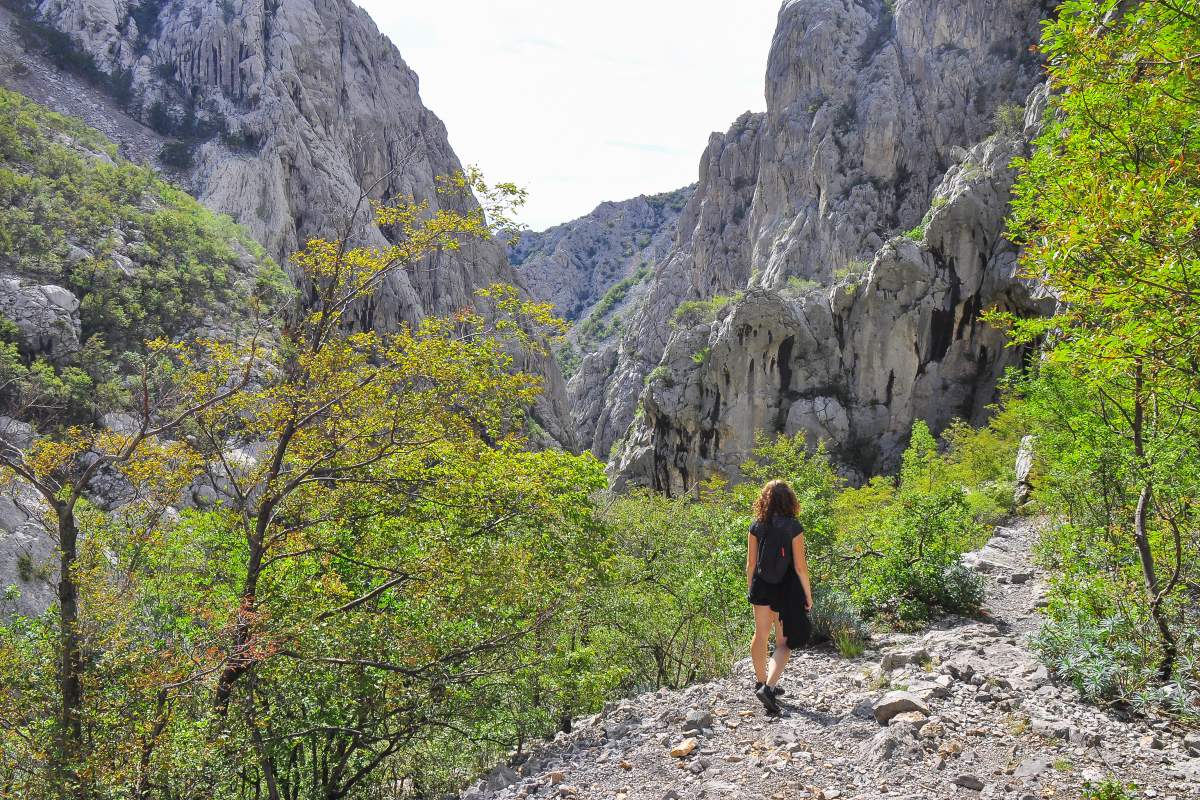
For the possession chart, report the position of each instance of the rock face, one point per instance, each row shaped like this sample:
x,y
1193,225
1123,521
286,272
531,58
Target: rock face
x,y
854,364
596,269
292,112
575,264
47,318
879,118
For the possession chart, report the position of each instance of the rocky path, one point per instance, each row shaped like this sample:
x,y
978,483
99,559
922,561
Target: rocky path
x,y
963,711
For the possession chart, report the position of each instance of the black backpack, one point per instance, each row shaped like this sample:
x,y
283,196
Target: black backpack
x,y
774,549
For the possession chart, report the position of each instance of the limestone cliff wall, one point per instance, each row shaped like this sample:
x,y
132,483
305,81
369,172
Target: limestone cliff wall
x,y
872,112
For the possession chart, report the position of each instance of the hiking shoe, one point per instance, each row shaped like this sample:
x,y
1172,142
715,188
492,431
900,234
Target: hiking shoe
x,y
779,691
766,696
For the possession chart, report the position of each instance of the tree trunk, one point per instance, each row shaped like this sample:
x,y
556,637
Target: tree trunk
x,y
70,747
241,660
1170,647
1142,539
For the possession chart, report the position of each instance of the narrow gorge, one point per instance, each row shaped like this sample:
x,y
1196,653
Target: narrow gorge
x,y
322,476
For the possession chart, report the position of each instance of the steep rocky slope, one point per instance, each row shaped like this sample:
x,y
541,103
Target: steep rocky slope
x,y
595,269
869,105
962,711
283,114
95,251
573,265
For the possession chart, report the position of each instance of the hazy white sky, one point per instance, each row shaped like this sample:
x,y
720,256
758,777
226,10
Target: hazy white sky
x,y
582,102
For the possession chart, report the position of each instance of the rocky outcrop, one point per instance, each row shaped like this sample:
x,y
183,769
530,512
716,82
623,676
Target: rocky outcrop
x,y
871,109
710,256
290,112
975,716
853,365
46,317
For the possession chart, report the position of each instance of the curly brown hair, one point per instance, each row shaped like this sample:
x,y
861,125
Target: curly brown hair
x,y
776,499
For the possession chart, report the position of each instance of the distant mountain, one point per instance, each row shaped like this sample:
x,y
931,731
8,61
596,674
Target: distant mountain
x,y
594,269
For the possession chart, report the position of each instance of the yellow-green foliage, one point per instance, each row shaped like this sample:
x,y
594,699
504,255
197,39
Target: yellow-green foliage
x,y
696,312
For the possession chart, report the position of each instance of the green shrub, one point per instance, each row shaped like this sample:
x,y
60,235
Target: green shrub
x,y
660,373
25,566
960,590
835,618
1095,655
1110,789
1009,119
9,332
857,266
690,313
901,539
701,355
798,287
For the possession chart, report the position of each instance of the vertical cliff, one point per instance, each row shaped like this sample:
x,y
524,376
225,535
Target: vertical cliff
x,y
870,107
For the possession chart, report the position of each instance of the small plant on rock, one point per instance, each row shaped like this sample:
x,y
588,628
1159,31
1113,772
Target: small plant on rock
x,y
835,618
1110,789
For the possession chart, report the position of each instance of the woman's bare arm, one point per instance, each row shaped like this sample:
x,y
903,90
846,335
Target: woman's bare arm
x,y
800,558
751,556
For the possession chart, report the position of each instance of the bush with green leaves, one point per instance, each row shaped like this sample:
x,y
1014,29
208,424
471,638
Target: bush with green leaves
x,y
145,258
690,313
1110,789
901,539
836,618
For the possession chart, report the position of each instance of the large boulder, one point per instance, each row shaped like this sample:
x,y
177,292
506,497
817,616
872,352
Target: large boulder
x,y
47,318
897,702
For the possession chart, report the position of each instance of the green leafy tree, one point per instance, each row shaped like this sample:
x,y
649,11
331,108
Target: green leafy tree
x,y
1107,209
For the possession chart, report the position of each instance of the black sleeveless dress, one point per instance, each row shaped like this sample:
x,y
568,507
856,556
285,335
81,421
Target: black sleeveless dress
x,y
787,597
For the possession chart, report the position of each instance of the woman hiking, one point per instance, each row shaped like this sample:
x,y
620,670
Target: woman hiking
x,y
779,588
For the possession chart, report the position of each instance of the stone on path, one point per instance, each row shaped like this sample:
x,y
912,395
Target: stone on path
x,y
968,781
684,748
897,702
1032,767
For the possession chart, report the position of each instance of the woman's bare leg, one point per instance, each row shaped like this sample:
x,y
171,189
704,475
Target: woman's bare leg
x,y
778,661
764,618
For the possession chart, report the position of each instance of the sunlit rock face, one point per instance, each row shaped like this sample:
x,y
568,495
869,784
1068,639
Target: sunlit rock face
x,y
299,111
877,116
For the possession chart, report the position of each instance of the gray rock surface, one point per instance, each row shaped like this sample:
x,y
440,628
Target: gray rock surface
x,y
854,364
871,109
977,742
596,271
28,555
574,264
47,318
292,111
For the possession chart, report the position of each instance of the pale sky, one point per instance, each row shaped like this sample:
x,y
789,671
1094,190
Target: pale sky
x,y
581,102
